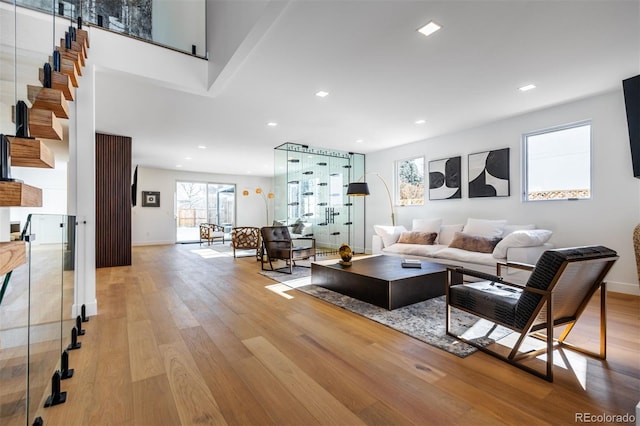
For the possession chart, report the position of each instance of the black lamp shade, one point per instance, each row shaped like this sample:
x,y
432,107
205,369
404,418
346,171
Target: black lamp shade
x,y
358,188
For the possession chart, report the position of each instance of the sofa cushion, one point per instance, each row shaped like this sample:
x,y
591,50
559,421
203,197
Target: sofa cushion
x,y
522,238
413,249
388,233
426,225
484,228
473,243
445,236
414,237
464,256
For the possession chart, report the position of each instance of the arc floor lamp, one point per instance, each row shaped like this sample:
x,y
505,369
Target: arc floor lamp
x,y
361,188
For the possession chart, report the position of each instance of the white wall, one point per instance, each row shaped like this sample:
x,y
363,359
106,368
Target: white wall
x,y
607,219
158,225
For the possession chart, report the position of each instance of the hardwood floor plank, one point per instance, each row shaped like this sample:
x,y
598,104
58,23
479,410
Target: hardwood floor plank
x,y
236,402
152,403
144,358
194,402
320,403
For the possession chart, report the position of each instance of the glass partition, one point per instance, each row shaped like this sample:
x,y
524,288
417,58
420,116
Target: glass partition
x,y
310,188
36,317
180,25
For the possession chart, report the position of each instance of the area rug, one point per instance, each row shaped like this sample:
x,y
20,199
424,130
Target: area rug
x,y
424,321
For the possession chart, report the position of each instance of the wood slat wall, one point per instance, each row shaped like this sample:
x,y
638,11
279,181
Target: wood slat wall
x,y
113,200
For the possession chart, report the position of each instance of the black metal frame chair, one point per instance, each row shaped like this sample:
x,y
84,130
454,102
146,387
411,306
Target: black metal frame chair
x,y
278,245
556,293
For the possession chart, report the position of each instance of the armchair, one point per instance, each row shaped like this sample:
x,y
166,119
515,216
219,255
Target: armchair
x,y
278,245
245,238
556,293
210,232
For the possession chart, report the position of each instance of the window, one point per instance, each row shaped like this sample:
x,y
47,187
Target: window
x,y
557,163
410,179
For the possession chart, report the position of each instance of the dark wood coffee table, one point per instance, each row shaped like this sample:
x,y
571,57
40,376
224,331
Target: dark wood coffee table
x,y
382,281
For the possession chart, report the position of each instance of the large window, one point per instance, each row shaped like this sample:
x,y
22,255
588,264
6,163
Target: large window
x,y
410,182
557,163
198,202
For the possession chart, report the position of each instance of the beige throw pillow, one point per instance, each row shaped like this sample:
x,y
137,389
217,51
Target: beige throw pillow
x,y
424,238
473,243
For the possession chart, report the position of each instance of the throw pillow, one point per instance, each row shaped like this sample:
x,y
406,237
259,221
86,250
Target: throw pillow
x,y
424,238
426,225
521,238
510,228
447,232
473,243
484,228
389,234
297,227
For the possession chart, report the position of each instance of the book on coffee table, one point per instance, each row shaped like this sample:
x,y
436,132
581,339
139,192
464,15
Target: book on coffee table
x,y
411,263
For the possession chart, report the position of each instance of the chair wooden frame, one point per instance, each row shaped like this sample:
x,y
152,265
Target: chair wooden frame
x,y
207,231
543,319
283,248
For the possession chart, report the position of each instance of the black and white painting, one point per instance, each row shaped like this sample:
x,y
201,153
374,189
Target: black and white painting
x,y
489,174
150,199
444,179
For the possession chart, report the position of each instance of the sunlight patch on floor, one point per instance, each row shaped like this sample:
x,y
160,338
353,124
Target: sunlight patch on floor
x,y
280,289
209,253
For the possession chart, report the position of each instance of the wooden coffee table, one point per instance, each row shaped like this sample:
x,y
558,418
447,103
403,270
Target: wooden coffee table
x,y
382,281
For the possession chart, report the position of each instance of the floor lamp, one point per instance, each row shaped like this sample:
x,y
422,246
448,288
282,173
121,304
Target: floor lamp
x,y
362,189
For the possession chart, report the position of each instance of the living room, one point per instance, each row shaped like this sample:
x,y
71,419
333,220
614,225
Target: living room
x,y
120,86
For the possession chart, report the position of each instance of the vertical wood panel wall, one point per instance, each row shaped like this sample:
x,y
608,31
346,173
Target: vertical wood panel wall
x,y
113,200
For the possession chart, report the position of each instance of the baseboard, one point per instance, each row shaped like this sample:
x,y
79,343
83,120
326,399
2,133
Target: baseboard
x,y
91,309
625,288
152,243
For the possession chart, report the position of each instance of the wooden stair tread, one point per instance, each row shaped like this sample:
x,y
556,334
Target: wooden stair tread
x,y
12,255
18,194
83,37
48,99
72,56
69,68
76,46
44,124
31,153
61,82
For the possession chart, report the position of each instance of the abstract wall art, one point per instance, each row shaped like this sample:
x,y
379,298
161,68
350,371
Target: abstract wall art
x,y
445,179
489,174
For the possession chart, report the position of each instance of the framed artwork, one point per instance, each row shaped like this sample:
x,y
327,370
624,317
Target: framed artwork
x,y
445,179
489,174
150,199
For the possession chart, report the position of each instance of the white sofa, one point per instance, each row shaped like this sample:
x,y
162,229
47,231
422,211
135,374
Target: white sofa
x,y
456,244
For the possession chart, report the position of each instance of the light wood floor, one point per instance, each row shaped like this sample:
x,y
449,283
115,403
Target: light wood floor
x,y
181,339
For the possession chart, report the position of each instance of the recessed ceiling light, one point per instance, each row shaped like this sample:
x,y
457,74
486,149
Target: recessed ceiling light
x,y
178,165
272,124
429,29
527,87
421,121
322,93
359,140
187,158
202,147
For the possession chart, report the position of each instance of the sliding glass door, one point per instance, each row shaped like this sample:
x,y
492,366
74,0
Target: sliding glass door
x,y
198,202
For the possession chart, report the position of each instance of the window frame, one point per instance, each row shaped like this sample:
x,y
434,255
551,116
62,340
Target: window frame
x,y
397,200
525,159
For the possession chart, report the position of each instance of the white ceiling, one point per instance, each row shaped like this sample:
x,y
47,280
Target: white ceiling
x,y
382,76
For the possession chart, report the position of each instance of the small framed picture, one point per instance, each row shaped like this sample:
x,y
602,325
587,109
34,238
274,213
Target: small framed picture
x,y
150,199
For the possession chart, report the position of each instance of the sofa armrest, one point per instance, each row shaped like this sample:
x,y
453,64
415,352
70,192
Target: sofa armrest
x,y
527,255
376,244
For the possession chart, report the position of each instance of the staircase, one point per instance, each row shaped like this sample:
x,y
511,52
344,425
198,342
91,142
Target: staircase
x,y
49,105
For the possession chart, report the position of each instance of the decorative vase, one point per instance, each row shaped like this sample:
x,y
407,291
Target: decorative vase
x,y
345,254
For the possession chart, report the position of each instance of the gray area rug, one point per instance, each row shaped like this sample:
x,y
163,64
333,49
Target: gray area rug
x,y
424,321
